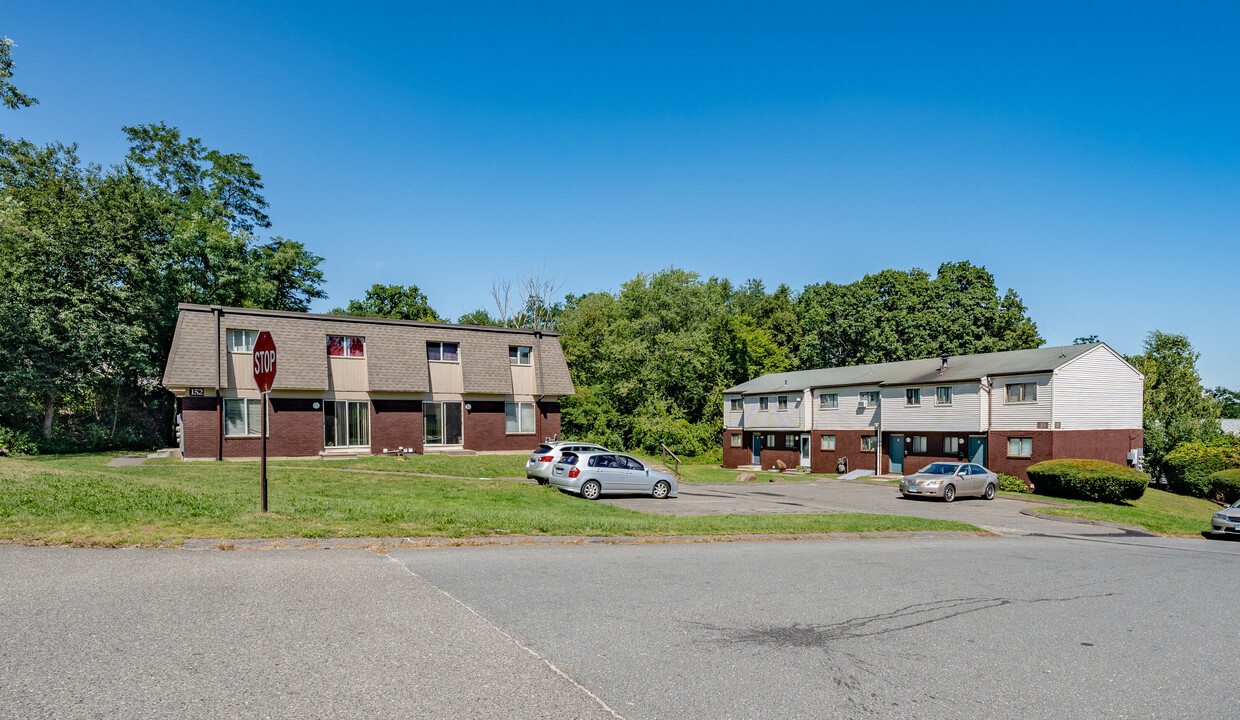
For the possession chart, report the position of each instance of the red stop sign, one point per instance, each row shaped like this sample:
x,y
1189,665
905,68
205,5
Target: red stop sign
x,y
264,361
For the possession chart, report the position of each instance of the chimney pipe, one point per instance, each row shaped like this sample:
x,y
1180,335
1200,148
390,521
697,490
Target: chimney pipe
x,y
943,365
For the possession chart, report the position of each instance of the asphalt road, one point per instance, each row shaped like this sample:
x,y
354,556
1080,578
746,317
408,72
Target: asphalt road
x,y
964,627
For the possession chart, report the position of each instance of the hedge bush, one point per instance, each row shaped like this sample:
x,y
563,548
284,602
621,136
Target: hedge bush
x,y
16,442
1190,466
1088,480
1009,483
1225,486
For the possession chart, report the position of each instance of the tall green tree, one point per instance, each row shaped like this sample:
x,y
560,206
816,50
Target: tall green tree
x,y
1228,402
400,302
1177,407
9,94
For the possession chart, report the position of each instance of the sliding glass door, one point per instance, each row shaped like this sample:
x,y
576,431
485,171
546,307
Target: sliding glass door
x,y
441,423
346,423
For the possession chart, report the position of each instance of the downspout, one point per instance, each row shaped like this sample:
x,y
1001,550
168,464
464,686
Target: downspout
x,y
219,400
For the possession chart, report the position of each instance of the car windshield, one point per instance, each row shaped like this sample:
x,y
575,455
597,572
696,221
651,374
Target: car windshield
x,y
1236,504
543,448
939,469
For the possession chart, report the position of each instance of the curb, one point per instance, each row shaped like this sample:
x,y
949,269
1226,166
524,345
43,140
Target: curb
x,y
1130,529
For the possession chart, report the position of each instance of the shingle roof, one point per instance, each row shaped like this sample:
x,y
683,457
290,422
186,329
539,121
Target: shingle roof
x,y
395,350
917,372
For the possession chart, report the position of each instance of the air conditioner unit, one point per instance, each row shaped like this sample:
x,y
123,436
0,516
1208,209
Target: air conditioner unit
x,y
861,403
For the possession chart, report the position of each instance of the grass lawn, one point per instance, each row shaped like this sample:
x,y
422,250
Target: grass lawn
x,y
1157,510
707,472
470,466
76,499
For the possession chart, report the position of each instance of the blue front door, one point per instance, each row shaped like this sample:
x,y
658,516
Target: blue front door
x,y
895,446
977,450
757,449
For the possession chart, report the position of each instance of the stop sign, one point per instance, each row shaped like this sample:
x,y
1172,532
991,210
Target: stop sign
x,y
264,361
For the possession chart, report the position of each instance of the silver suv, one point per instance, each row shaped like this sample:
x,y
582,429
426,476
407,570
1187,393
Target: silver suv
x,y
592,474
549,453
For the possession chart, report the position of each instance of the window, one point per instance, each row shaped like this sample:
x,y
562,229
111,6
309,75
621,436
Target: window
x,y
346,423
442,423
340,346
951,445
829,401
1020,447
1022,392
869,443
244,417
762,403
242,341
943,396
736,439
919,444
629,463
443,352
737,404
518,355
770,441
790,442
828,442
518,418
783,403
869,399
912,396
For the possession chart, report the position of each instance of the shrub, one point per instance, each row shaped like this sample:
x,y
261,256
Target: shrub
x,y
18,442
1225,486
1088,480
1008,483
1190,466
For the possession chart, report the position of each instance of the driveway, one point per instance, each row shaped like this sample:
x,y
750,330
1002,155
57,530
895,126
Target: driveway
x,y
1001,515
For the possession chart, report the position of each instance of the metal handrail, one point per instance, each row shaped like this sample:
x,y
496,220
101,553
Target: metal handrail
x,y
667,452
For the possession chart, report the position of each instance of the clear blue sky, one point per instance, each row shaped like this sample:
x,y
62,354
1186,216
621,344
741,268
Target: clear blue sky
x,y
1090,158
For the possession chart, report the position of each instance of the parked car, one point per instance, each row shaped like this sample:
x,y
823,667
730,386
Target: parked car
x,y
539,465
1227,521
950,480
594,474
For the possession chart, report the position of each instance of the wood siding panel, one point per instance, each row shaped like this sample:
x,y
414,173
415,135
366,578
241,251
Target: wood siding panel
x,y
847,416
345,374
773,418
1098,391
524,381
1021,416
962,415
447,378
240,373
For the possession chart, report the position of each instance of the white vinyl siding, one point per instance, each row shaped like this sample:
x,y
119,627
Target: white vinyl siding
x,y
793,417
963,415
1098,391
733,418
847,416
1021,415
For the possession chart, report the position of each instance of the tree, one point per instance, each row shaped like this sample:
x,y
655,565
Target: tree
x,y
1086,340
287,275
1177,408
1228,402
478,317
400,302
9,94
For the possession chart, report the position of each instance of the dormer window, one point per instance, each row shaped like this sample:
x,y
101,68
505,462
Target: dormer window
x,y
242,341
443,351
518,355
345,346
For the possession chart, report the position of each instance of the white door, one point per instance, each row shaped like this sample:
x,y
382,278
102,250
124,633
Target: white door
x,y
805,450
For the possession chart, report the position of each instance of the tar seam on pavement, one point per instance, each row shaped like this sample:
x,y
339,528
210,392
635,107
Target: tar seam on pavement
x,y
513,640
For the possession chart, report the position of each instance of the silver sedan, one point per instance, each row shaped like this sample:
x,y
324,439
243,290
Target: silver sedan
x,y
538,467
950,480
1227,521
594,474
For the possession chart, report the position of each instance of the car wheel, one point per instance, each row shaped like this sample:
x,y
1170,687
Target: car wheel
x,y
590,490
949,493
990,492
661,489
543,481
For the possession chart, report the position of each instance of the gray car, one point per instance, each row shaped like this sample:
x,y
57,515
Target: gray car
x,y
594,474
950,480
1227,521
538,467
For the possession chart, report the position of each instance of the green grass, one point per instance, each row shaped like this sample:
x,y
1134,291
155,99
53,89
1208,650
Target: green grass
x,y
713,472
1157,510
77,500
469,466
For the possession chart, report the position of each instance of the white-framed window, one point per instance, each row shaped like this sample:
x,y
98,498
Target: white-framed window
x,y
518,418
828,442
1021,392
829,401
443,351
736,439
912,396
346,423
791,442
345,346
951,445
783,403
242,341
869,399
869,443
918,444
763,403
1020,447
737,404
943,396
518,355
243,417
770,441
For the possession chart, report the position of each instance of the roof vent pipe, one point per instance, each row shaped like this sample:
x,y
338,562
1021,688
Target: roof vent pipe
x,y
943,364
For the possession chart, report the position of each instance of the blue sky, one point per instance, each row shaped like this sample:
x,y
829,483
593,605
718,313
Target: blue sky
x,y
1087,156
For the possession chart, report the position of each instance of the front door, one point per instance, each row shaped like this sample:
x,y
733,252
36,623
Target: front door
x,y
805,451
441,423
977,450
756,443
896,449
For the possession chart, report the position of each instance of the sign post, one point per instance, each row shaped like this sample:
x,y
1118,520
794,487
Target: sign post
x,y
264,376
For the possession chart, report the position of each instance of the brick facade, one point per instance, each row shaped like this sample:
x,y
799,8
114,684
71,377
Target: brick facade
x,y
847,446
200,426
395,424
485,426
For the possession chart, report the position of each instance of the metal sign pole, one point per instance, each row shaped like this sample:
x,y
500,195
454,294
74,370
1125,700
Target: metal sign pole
x,y
263,482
